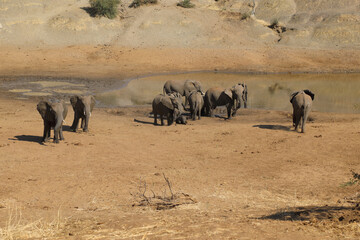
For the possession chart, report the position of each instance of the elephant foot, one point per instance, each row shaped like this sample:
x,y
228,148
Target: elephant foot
x,y
86,130
56,141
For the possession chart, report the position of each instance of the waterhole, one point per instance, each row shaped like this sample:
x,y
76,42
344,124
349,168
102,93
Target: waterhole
x,y
333,92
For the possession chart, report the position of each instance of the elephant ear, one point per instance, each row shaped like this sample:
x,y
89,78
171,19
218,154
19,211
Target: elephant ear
x,y
311,94
42,108
73,101
168,101
292,96
229,93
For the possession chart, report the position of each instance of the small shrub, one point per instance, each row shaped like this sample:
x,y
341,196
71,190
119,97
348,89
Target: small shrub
x,y
274,23
245,16
106,8
138,3
355,179
185,4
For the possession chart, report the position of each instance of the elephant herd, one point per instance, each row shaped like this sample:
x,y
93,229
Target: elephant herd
x,y
170,104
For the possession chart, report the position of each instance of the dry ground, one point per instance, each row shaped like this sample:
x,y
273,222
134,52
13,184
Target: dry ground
x,y
247,178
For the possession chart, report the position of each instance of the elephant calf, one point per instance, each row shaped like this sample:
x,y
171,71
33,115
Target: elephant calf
x,y
53,114
83,106
302,103
169,105
196,102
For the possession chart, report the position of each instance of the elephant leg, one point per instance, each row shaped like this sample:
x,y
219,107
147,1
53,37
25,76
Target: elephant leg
x,y
162,119
207,110
85,124
304,119
193,114
61,134
229,107
212,111
46,134
297,120
76,123
169,118
56,135
155,119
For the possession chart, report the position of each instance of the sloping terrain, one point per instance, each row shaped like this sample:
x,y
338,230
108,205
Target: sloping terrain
x,y
324,23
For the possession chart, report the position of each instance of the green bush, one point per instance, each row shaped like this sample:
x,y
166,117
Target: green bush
x,y
185,4
106,8
138,3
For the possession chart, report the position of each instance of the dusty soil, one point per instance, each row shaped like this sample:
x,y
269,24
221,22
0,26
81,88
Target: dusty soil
x,y
249,178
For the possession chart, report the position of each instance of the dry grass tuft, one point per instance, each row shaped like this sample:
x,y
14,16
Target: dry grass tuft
x,y
18,228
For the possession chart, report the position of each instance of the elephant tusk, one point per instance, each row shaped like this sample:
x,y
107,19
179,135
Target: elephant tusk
x,y
64,121
90,114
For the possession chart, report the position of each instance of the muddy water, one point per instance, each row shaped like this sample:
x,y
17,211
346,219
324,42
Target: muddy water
x,y
333,92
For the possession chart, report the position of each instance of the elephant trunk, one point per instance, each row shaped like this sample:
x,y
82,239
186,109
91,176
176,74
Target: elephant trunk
x,y
87,114
245,100
57,127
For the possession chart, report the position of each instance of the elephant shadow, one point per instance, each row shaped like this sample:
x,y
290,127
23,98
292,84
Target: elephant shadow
x,y
273,127
307,213
67,129
143,122
221,117
28,138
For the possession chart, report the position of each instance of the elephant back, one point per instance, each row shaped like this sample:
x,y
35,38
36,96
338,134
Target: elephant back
x,y
162,100
174,86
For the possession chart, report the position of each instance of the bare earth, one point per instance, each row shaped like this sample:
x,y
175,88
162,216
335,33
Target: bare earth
x,y
251,177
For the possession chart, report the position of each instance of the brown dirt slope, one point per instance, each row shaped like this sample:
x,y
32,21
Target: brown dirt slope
x,y
60,38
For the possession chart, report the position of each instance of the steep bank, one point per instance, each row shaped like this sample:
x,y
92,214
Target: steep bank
x,y
60,38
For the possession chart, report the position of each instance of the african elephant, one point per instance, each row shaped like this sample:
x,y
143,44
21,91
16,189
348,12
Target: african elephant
x,y
53,114
302,102
170,105
230,97
182,87
83,106
196,102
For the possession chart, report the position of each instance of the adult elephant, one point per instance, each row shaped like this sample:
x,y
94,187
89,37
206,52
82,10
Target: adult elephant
x,y
83,106
169,105
230,97
182,87
302,103
53,114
